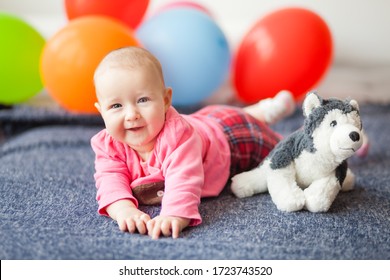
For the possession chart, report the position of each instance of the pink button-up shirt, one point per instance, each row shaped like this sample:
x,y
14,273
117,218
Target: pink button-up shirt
x,y
191,155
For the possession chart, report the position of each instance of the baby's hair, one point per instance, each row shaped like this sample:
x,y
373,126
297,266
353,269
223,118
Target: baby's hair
x,y
129,58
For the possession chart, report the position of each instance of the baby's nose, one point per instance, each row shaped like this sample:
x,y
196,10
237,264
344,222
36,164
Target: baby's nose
x,y
132,114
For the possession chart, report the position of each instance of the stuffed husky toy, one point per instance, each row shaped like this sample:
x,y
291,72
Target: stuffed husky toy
x,y
309,168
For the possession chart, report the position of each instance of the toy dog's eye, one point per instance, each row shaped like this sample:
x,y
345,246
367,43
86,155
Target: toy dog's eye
x,y
333,123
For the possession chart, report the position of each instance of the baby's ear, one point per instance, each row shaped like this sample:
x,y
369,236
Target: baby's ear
x,y
167,98
97,106
312,101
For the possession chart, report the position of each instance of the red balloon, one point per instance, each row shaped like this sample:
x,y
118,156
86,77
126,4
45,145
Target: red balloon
x,y
130,12
289,49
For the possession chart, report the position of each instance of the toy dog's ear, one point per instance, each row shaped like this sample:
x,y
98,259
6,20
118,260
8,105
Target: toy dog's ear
x,y
354,104
312,100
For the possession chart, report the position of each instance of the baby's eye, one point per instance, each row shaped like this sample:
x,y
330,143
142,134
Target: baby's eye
x,y
333,123
143,100
116,106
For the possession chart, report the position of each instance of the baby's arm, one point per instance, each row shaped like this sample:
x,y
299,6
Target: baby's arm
x,y
128,217
166,225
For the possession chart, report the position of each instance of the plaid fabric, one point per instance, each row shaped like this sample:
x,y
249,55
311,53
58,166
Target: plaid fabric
x,y
250,140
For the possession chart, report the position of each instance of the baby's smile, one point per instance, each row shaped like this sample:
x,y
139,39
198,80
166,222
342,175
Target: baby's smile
x,y
135,128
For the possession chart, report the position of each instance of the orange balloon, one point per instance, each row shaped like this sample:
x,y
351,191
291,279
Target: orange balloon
x,y
290,49
70,57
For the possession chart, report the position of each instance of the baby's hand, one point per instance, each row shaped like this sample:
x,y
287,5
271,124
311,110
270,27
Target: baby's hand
x,y
132,220
166,225
128,217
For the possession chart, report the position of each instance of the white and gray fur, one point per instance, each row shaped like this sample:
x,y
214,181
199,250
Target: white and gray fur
x,y
308,168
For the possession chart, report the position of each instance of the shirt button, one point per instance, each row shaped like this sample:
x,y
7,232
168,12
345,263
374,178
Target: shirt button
x,y
160,193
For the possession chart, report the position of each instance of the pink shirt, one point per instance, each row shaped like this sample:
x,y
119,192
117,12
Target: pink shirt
x,y
191,155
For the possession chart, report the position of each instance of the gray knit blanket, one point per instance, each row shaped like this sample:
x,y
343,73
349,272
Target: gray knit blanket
x,y
49,211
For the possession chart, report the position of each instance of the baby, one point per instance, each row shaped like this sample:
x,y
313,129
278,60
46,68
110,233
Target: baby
x,y
150,154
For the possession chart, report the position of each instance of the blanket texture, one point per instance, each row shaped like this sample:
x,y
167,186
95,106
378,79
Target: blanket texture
x,y
49,211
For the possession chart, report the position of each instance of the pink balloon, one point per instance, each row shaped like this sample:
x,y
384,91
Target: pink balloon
x,y
188,4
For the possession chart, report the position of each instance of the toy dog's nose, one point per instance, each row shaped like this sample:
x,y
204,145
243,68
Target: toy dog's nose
x,y
354,136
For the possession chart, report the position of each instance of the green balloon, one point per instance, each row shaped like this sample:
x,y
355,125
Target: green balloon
x,y
20,49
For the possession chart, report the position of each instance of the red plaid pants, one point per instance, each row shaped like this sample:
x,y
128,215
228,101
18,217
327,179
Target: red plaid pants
x,y
250,140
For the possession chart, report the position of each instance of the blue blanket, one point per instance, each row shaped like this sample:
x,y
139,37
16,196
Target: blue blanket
x,y
48,206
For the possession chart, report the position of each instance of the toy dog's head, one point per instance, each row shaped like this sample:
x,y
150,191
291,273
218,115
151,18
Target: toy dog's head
x,y
334,125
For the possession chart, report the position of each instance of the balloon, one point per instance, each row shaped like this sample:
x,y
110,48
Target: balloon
x,y
71,56
130,12
192,49
288,49
20,48
188,4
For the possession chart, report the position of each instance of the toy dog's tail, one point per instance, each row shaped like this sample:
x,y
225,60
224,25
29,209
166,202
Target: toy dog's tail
x,y
249,183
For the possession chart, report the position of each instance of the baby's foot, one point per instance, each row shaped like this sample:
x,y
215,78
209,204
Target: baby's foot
x,y
277,108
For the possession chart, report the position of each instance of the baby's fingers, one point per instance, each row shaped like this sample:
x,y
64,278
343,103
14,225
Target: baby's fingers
x,y
127,225
156,230
133,225
153,229
166,227
141,227
141,222
145,218
175,229
150,226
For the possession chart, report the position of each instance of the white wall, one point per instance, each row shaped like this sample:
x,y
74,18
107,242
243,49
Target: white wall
x,y
360,28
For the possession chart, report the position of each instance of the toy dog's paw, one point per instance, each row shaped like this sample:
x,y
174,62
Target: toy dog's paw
x,y
291,201
314,205
241,187
349,181
319,196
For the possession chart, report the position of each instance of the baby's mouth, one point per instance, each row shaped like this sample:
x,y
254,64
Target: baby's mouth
x,y
134,129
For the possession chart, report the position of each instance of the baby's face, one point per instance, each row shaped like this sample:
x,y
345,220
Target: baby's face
x,y
133,103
